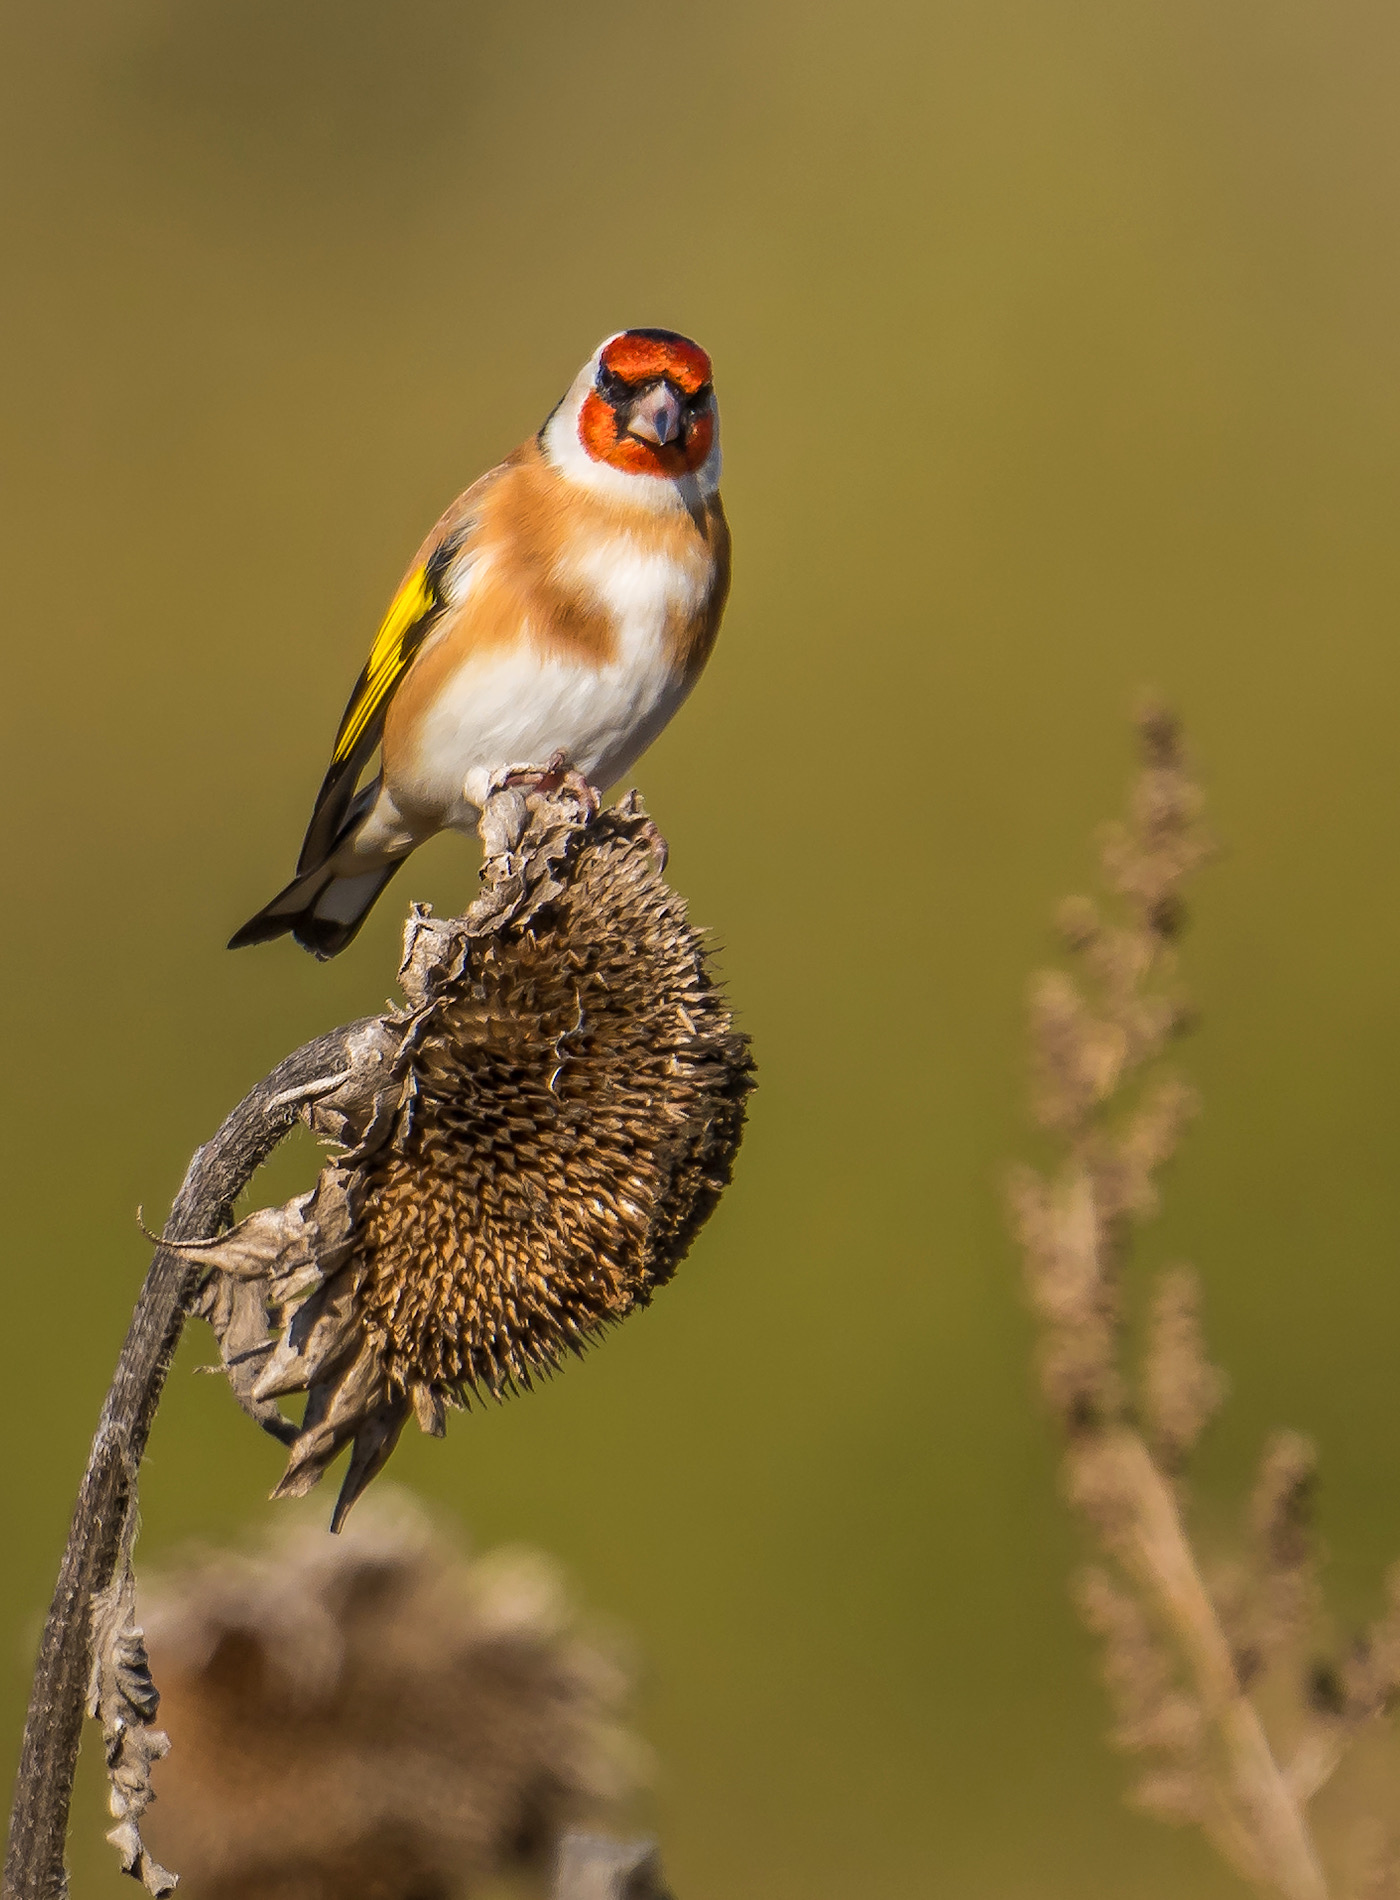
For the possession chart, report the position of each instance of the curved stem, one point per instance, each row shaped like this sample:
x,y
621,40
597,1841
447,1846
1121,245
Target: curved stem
x,y
34,1867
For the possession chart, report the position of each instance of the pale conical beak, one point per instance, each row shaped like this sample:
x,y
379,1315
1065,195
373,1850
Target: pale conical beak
x,y
656,416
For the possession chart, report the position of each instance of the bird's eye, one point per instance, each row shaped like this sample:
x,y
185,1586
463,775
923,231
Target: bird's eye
x,y
610,386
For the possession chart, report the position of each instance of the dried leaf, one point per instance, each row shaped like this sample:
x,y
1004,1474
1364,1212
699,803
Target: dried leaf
x,y
123,1697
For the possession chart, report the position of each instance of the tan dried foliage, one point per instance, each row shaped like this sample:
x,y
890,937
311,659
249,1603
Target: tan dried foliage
x,y
559,1115
376,1717
1221,1683
1182,1390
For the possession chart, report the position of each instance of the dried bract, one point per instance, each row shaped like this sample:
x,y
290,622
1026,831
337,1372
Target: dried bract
x,y
1182,1390
122,1696
561,1117
1280,1522
1154,1713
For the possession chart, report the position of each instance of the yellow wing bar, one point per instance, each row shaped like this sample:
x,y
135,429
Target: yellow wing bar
x,y
394,646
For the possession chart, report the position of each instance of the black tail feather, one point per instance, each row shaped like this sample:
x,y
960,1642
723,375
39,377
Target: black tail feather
x,y
305,909
323,909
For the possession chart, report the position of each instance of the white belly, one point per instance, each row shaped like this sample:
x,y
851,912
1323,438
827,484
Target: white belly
x,y
519,707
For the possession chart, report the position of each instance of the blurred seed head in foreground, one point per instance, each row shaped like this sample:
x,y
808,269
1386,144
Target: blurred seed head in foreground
x,y
377,1717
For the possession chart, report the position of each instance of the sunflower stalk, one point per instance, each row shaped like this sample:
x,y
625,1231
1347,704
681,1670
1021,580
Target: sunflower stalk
x,y
568,1031
331,1071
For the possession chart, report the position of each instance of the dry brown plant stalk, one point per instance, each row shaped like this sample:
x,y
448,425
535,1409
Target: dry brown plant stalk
x,y
1214,1675
528,1148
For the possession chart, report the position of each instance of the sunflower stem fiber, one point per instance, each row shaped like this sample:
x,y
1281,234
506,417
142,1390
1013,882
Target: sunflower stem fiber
x,y
107,1501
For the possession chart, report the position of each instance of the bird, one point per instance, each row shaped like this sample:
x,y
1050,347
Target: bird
x,y
561,610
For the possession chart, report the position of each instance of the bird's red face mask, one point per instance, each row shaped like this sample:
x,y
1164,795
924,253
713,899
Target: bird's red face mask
x,y
651,410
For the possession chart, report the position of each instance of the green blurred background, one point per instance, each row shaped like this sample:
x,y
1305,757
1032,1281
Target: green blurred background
x,y
1057,351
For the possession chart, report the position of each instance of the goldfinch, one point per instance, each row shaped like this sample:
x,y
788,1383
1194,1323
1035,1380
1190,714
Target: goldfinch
x,y
565,604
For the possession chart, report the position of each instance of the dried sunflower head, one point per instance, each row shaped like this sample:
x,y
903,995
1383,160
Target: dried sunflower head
x,y
560,1112
376,1717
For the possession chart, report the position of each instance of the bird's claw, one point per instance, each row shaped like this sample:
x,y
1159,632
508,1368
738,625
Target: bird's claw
x,y
555,775
650,832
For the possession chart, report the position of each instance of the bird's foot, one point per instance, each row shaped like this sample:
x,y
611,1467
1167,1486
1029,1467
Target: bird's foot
x,y
555,775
